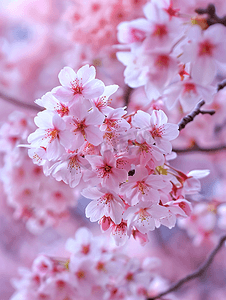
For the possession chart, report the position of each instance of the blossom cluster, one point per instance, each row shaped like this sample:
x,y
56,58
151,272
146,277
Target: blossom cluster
x,y
208,219
39,201
117,160
175,56
95,22
93,270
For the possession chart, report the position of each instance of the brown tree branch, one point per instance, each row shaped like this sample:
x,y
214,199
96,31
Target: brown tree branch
x,y
212,16
190,117
127,94
221,85
196,273
18,102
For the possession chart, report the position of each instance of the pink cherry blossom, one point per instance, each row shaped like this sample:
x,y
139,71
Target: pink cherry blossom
x,y
143,187
83,124
83,244
205,51
145,152
103,101
51,103
142,216
105,203
69,169
106,170
162,69
51,134
137,66
163,30
114,121
119,233
189,93
155,128
133,31
78,85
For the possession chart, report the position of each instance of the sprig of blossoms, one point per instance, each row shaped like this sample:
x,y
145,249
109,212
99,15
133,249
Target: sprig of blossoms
x,y
173,56
117,160
39,201
94,269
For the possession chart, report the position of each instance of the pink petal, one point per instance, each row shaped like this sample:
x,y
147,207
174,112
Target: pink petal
x,y
66,76
92,89
93,135
116,212
94,211
44,120
86,74
95,117
63,94
204,70
92,193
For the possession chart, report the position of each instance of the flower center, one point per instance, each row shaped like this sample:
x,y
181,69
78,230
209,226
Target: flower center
x,y
162,61
189,88
85,249
160,30
100,266
52,134
80,126
157,131
129,276
141,186
143,214
60,284
80,274
73,163
107,168
206,48
62,110
76,87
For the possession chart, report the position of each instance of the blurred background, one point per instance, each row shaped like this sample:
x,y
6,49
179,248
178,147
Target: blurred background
x,y
37,39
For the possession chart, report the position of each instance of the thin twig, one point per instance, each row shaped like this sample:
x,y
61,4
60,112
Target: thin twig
x,y
195,274
221,85
196,148
190,117
127,93
212,16
18,102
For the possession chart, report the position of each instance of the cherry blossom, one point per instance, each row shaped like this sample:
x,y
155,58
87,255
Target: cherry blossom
x,y
189,93
156,130
103,101
83,124
78,85
106,170
163,30
204,50
109,132
106,275
69,169
105,203
51,103
143,187
142,216
51,135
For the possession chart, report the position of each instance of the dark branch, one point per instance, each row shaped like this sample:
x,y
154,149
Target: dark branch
x,y
196,148
212,16
127,94
190,117
221,86
195,274
18,103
